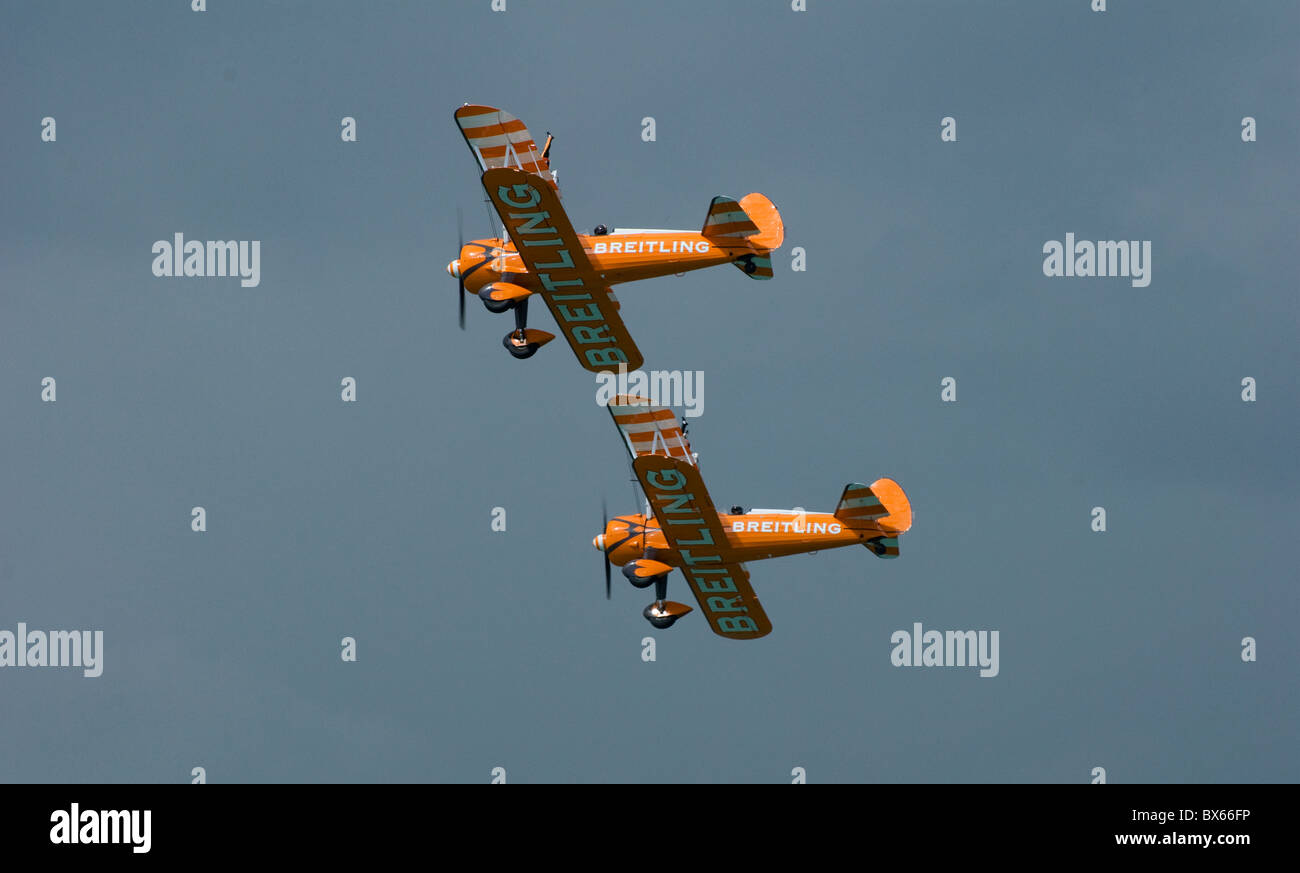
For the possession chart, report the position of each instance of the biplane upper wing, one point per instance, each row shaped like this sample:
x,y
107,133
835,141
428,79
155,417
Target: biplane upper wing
x,y
498,139
689,522
578,298
648,429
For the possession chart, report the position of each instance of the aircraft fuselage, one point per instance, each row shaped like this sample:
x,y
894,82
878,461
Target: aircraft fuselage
x,y
616,257
753,536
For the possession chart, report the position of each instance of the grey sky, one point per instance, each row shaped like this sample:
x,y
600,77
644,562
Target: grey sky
x,y
480,649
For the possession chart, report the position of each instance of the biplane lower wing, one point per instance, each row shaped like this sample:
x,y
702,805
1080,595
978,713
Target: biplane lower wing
x,y
582,305
689,522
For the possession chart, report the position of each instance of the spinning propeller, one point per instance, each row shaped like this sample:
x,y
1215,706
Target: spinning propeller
x,y
460,245
604,523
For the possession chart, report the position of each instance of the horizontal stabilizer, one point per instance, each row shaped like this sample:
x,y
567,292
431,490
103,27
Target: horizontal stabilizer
x,y
883,547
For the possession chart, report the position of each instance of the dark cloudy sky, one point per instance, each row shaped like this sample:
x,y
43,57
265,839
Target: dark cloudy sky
x,y
479,649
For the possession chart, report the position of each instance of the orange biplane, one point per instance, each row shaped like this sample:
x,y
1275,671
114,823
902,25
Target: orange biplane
x,y
680,528
539,253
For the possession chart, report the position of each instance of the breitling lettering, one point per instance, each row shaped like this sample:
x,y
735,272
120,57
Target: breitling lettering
x,y
650,247
675,505
534,196
576,308
786,527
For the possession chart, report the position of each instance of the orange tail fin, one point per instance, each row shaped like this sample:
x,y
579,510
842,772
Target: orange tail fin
x,y
882,507
752,222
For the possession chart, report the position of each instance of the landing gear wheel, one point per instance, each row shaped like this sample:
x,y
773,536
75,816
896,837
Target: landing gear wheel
x,y
520,352
750,266
657,618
